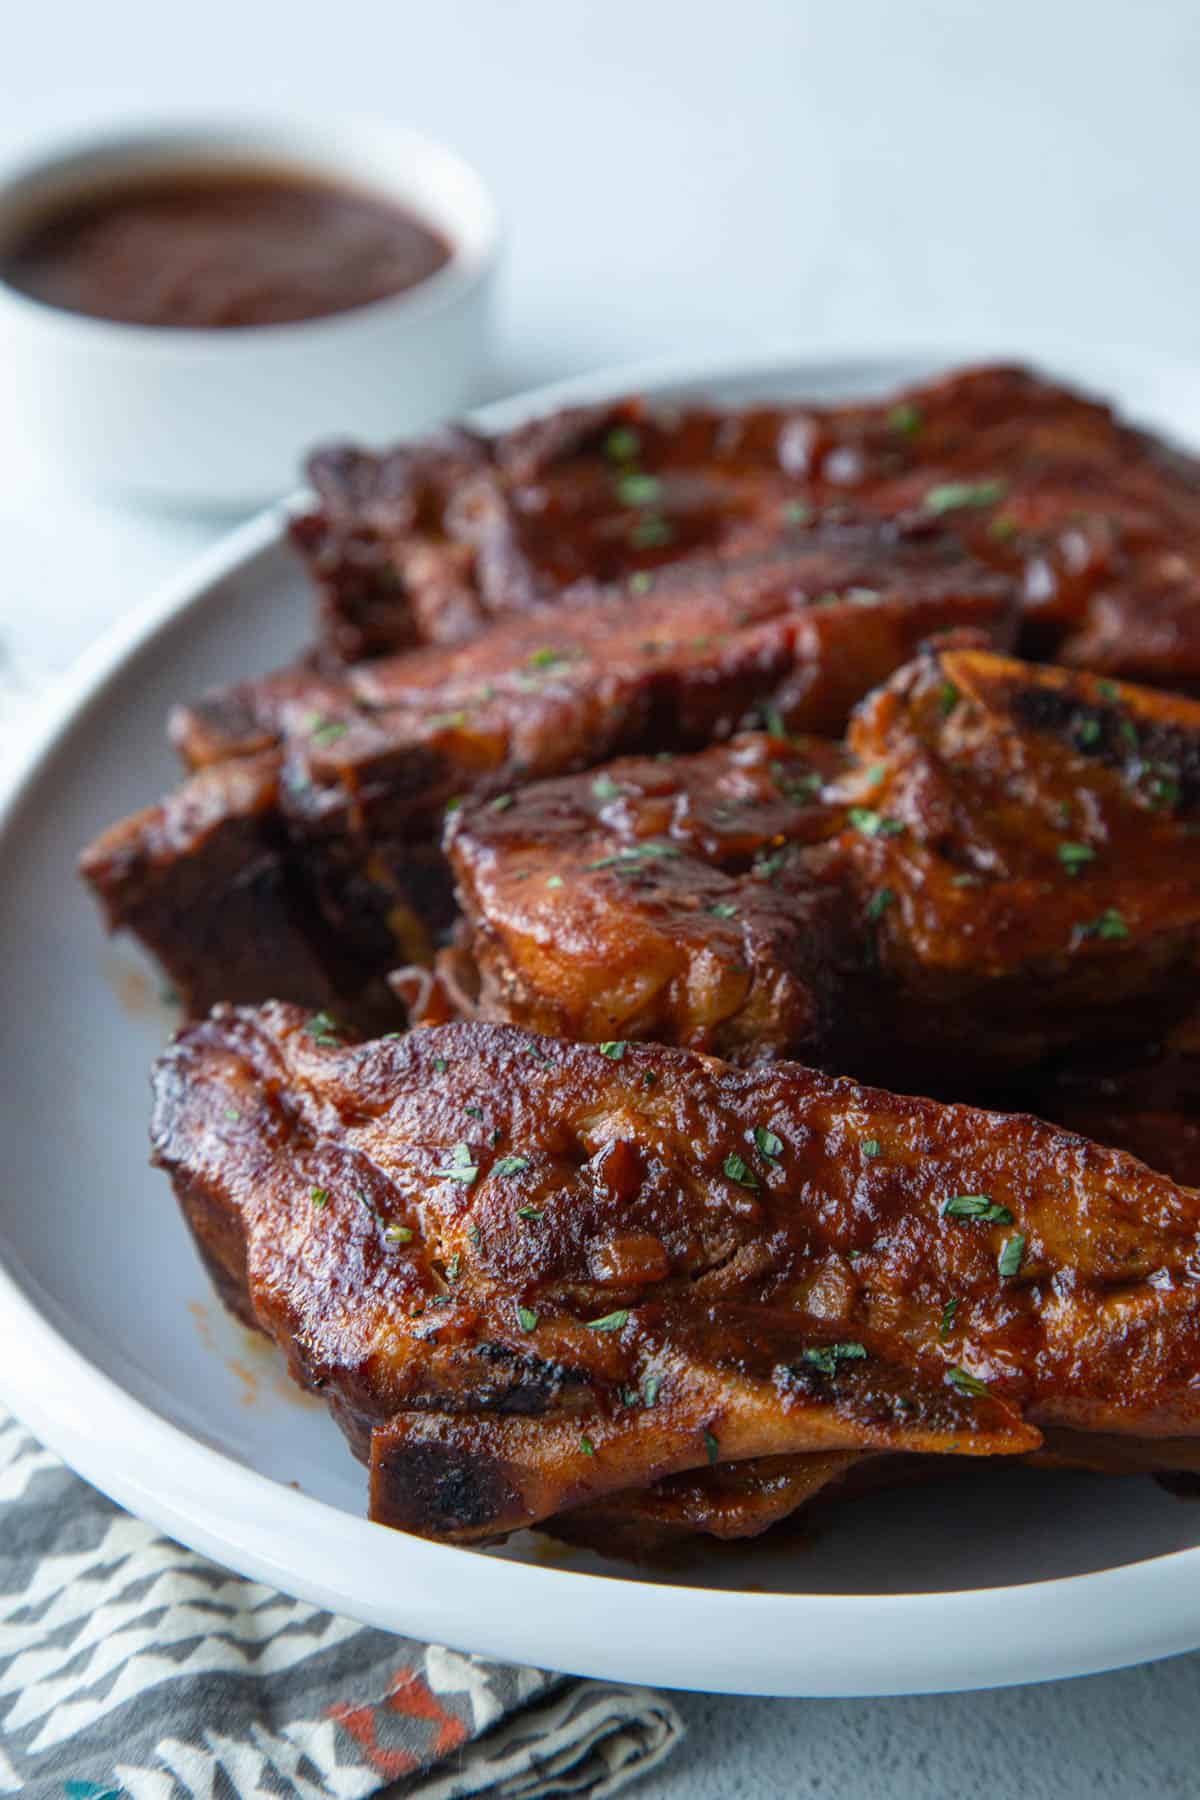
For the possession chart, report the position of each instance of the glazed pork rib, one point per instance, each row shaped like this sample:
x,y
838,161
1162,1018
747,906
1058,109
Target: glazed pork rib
x,y
530,1276
999,869
302,861
1097,522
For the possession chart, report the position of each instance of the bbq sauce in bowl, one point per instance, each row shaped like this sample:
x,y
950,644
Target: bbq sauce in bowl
x,y
219,248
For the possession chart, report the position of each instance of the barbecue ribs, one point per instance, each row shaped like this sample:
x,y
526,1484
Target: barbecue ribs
x,y
532,1276
1099,523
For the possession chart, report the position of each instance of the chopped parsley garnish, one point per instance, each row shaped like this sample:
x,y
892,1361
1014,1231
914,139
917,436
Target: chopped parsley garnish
x,y
723,909
398,1234
605,788
502,802
1011,1255
712,1447
448,721
319,1196
976,1206
948,698
323,1028
641,583
767,1142
905,419
622,443
614,1049
586,1445
739,1170
531,1213
630,855
1074,857
967,1383
872,1147
510,1165
554,881
232,1114
650,532
947,1324
1087,733
797,512
535,1050
950,496
634,489
879,902
329,731
1110,926
454,1267
650,1389
613,1321
826,1357
764,868
1108,690
440,1065
462,1167
546,657
527,1318
873,824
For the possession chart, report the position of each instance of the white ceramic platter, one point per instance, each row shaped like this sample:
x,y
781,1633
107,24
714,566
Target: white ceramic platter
x,y
114,1350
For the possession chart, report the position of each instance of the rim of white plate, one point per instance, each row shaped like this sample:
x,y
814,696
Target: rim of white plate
x,y
855,1644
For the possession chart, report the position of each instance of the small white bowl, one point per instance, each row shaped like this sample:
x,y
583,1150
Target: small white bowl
x,y
221,417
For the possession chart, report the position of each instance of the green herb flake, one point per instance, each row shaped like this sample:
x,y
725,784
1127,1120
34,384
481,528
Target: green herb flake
x,y
510,1165
952,496
872,1147
797,512
826,1357
527,1318
634,489
947,1324
319,1196
966,1383
614,1049
650,1389
330,732
398,1234
440,1065
546,657
622,444
1011,1256
904,419
873,824
1110,926
462,1166
1088,733
586,1445
323,1028
1108,690
530,1213
976,1206
1075,857
948,698
632,855
711,1446
768,1142
1003,527
232,1114
879,902
739,1170
502,802
554,881
605,788
613,1321
641,582
723,909
454,1267
650,532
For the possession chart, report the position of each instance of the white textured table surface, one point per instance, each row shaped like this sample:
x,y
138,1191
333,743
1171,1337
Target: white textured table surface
x,y
679,176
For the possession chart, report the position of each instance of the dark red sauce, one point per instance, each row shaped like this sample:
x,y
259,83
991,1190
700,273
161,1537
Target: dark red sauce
x,y
220,248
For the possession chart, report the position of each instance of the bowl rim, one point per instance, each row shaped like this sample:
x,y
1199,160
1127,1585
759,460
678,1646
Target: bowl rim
x,y
330,145
969,1638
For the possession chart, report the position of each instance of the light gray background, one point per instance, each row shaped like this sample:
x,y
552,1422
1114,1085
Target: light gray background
x,y
685,176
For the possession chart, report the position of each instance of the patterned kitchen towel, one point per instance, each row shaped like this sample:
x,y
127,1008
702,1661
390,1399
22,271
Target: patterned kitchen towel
x,y
131,1667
